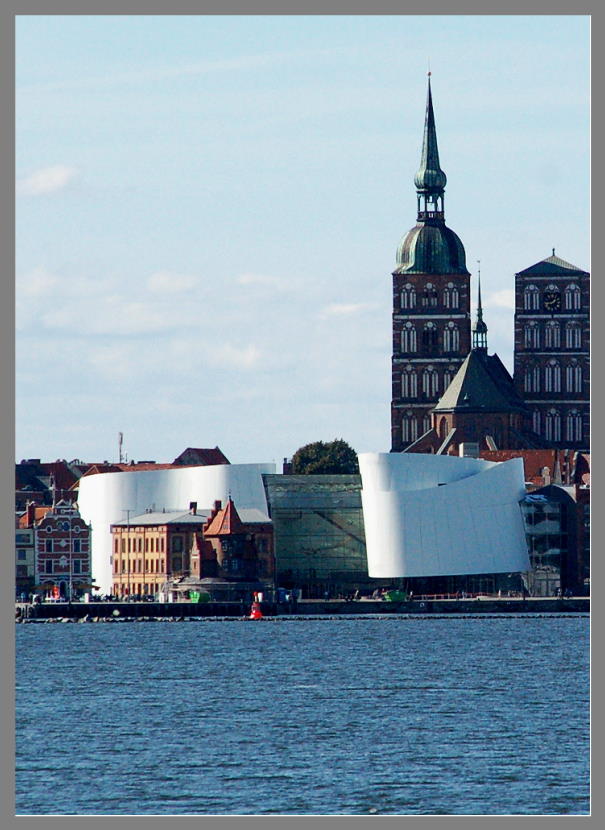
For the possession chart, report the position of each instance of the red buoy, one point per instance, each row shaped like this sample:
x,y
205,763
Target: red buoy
x,y
255,612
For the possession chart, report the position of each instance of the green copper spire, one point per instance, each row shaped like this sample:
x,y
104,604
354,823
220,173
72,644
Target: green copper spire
x,y
430,180
479,327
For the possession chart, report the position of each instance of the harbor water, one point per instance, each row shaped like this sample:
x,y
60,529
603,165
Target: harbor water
x,y
398,715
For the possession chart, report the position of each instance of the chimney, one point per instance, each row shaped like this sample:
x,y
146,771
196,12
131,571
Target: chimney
x,y
193,508
31,513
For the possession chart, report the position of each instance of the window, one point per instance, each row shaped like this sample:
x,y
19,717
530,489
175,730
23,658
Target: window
x,y
76,546
531,298
573,426
48,546
430,382
552,377
426,423
77,566
430,336
409,427
573,377
552,335
552,431
48,566
409,383
408,296
21,554
572,298
536,422
408,338
531,379
531,336
451,296
451,338
429,296
573,336
177,544
448,375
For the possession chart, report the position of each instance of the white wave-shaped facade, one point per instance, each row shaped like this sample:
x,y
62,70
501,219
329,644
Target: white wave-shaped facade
x,y
104,498
434,515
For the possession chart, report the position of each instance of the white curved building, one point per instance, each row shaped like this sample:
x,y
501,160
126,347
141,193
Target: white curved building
x,y
104,498
440,515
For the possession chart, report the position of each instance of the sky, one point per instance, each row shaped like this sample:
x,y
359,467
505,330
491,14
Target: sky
x,y
208,209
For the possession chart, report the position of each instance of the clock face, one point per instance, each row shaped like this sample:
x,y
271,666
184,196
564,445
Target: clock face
x,y
552,301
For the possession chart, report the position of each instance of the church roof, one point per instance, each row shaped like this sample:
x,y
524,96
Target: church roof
x,y
552,266
431,248
481,384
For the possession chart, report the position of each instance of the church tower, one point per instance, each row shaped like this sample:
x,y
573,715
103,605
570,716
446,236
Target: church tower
x,y
431,302
552,350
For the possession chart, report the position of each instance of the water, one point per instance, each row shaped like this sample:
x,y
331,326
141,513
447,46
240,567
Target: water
x,y
353,716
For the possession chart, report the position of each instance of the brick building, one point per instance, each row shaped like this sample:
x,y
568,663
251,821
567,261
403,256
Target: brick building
x,y
552,350
431,302
62,550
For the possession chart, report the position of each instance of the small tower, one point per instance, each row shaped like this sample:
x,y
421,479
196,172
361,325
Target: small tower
x,y
479,328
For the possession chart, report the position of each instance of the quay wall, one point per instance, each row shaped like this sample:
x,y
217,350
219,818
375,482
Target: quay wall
x,y
307,608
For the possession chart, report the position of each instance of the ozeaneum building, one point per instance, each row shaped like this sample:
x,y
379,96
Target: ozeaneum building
x,y
438,515
105,499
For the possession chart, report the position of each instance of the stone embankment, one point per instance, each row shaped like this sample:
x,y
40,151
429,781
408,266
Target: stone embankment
x,y
154,611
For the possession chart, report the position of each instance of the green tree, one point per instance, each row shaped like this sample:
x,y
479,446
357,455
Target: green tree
x,y
329,458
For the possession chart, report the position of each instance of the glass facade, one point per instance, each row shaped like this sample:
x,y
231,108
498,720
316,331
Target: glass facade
x,y
546,541
319,533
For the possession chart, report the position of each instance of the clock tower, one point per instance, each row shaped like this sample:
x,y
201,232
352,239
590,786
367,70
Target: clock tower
x,y
431,302
552,350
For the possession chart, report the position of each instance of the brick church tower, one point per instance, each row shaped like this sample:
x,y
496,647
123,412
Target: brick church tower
x,y
431,302
552,350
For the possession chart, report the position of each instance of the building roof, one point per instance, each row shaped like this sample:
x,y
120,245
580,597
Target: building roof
x,y
166,517
226,522
431,248
430,178
481,384
201,456
552,266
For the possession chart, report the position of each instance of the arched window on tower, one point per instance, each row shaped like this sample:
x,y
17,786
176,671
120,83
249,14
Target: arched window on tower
x,y
430,382
531,379
536,421
430,336
573,377
573,298
409,383
552,335
531,298
448,375
573,426
408,296
451,338
573,335
451,296
409,427
531,335
408,338
552,376
426,423
552,426
443,430
429,296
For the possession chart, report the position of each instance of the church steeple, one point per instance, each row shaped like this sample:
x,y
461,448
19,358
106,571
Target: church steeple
x,y
430,180
479,327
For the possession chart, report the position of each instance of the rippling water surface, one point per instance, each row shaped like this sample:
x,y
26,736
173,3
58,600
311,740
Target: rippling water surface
x,y
353,716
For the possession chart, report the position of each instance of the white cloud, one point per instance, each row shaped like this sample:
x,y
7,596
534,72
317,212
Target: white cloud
x,y
502,299
46,180
262,280
37,282
228,355
164,282
345,309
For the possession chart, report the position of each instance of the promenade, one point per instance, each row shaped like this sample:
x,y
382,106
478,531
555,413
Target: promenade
x,y
121,611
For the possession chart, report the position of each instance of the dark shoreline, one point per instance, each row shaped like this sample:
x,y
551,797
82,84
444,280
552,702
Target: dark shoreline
x,y
332,609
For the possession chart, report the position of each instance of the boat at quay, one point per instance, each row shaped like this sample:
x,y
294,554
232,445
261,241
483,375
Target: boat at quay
x,y
479,605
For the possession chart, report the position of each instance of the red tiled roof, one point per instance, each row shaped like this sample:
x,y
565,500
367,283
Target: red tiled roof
x,y
225,523
39,513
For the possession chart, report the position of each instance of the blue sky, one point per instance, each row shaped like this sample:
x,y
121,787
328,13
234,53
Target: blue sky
x,y
208,209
